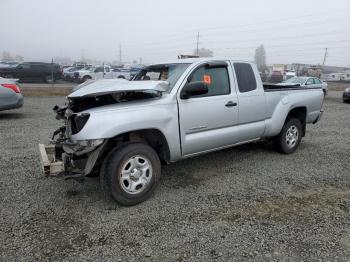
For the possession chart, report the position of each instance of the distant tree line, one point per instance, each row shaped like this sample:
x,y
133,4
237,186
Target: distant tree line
x,y
7,57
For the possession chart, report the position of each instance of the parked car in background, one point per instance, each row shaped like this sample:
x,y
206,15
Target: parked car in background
x,y
305,81
10,94
68,73
121,73
99,72
289,74
346,95
8,64
46,72
275,77
96,72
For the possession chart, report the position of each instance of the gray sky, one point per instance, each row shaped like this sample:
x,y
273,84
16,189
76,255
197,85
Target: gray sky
x,y
292,31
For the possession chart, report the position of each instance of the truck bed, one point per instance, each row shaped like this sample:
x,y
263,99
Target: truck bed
x,y
273,87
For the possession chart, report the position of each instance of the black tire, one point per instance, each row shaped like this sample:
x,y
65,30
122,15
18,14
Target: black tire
x,y
283,144
117,160
86,78
121,77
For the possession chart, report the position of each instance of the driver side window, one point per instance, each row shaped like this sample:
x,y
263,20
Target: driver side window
x,y
216,78
99,69
310,81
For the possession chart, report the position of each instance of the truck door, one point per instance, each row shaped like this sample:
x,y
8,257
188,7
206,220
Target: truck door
x,y
252,103
98,73
208,121
108,73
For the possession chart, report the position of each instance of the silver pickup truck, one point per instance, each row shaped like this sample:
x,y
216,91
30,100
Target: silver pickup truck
x,y
123,130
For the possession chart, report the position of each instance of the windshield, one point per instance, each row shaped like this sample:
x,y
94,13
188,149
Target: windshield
x,y
295,80
164,72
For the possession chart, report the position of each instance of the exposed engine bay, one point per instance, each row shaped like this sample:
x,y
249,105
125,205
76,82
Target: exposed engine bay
x,y
80,157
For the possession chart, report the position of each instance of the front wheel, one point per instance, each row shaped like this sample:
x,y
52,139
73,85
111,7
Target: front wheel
x,y
132,172
290,136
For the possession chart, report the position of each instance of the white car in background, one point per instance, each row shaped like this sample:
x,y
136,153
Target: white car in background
x,y
121,73
100,72
305,81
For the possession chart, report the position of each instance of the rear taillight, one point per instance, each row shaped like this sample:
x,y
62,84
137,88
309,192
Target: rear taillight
x,y
14,87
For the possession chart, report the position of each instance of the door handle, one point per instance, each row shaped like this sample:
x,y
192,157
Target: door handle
x,y
231,104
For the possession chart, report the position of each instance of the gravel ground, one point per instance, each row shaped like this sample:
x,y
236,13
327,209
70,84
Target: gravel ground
x,y
245,203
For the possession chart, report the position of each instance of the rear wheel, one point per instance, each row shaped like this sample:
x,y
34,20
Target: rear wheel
x,y
132,172
290,136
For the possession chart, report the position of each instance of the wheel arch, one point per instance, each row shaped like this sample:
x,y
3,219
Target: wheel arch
x,y
299,113
153,137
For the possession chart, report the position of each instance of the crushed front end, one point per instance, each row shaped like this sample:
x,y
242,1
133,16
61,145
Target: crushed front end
x,y
65,157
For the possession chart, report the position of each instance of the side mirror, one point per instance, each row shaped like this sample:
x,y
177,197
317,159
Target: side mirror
x,y
194,89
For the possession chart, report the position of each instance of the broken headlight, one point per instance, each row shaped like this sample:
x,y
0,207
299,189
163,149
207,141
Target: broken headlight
x,y
78,122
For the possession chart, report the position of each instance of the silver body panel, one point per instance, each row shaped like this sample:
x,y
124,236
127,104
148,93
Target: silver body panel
x,y
198,125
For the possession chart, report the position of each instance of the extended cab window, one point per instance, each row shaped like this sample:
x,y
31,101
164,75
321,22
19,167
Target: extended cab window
x,y
245,77
216,78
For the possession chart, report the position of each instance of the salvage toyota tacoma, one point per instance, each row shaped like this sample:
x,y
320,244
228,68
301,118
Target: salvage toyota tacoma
x,y
124,130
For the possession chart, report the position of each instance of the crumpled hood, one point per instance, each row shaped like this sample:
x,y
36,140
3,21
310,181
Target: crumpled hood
x,y
109,86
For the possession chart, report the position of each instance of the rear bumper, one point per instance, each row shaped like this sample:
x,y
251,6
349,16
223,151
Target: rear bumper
x,y
13,105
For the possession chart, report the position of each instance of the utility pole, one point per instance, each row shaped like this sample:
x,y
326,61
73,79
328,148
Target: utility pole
x,y
197,49
52,79
120,53
325,56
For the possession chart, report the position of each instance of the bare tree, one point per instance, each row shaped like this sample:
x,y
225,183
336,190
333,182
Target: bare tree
x,y
260,58
19,58
63,60
6,56
203,52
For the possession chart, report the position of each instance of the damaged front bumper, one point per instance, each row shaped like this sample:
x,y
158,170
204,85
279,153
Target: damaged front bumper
x,y
49,165
66,157
74,159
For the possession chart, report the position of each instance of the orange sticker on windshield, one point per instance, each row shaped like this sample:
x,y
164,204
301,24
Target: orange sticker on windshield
x,y
207,79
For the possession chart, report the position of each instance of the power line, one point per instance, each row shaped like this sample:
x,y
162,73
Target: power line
x,y
177,37
308,24
283,19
